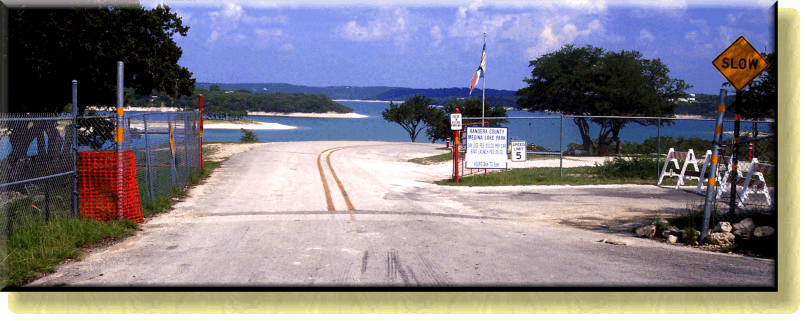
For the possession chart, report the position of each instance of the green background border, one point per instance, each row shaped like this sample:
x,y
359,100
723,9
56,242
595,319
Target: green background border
x,y
784,301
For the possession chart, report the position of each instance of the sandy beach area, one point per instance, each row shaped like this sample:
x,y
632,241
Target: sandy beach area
x,y
309,115
258,126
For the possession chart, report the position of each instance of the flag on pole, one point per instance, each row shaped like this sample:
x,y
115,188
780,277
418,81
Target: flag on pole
x,y
480,72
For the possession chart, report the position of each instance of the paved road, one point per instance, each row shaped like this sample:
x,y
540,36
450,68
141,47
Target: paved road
x,y
356,213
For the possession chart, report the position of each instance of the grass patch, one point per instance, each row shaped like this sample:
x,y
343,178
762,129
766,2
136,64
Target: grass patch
x,y
544,176
37,246
436,159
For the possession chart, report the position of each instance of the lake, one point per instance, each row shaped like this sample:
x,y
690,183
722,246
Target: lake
x,y
542,131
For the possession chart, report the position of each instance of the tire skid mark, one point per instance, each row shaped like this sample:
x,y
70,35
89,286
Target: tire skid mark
x,y
343,277
412,273
429,267
364,260
394,268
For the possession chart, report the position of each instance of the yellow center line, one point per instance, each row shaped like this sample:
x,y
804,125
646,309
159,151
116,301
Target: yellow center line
x,y
328,199
339,183
325,184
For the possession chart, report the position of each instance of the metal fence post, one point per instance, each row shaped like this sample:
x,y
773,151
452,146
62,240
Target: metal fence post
x,y
710,189
735,155
149,173
74,151
119,141
561,145
658,147
187,157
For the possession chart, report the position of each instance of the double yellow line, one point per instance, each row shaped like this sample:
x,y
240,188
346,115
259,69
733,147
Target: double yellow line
x,y
328,198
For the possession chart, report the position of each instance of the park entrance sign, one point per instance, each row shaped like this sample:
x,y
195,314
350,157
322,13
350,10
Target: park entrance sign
x,y
486,147
740,63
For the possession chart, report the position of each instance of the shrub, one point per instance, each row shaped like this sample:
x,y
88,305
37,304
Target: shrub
x,y
637,167
249,136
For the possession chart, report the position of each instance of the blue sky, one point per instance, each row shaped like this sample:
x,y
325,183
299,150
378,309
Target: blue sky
x,y
439,44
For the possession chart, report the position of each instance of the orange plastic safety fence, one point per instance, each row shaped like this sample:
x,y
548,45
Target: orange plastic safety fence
x,y
100,186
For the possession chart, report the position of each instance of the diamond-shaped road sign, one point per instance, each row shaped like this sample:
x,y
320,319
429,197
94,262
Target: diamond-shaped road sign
x,y
740,63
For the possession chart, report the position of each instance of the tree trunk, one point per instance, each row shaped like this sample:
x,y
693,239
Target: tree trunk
x,y
582,125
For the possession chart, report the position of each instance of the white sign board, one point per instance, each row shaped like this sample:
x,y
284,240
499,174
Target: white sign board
x,y
518,151
456,121
486,147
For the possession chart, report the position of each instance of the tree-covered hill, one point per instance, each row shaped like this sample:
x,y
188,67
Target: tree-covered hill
x,y
706,105
233,104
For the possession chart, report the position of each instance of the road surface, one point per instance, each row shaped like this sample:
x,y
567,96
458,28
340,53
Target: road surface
x,y
350,213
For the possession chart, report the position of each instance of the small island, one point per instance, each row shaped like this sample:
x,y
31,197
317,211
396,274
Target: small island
x,y
227,104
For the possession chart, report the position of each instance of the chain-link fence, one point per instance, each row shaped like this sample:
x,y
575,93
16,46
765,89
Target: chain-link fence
x,y
562,141
39,160
752,189
37,168
167,150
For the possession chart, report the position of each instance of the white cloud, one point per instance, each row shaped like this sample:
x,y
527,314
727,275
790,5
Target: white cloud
x,y
263,37
645,36
389,24
437,35
550,40
287,47
227,25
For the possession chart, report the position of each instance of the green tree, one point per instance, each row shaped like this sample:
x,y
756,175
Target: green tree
x,y
215,87
50,48
588,81
411,114
439,127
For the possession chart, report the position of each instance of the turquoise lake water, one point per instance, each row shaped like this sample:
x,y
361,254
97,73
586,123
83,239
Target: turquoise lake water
x,y
544,132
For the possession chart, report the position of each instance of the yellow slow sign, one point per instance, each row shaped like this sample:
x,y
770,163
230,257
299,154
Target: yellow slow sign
x,y
740,63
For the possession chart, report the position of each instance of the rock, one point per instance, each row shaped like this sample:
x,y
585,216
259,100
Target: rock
x,y
723,227
744,228
646,231
720,238
672,239
662,224
763,231
672,230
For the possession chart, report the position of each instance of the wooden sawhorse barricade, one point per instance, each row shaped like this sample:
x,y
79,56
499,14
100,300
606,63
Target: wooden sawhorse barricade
x,y
749,183
680,171
707,163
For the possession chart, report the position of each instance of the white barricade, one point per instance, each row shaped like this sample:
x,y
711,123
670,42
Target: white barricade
x,y
672,156
756,185
707,164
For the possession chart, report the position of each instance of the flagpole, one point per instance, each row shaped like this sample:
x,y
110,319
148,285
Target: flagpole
x,y
484,41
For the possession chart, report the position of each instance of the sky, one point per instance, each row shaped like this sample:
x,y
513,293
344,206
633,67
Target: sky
x,y
439,44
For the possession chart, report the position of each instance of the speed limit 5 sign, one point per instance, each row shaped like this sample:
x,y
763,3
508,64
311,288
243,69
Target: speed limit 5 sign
x,y
518,152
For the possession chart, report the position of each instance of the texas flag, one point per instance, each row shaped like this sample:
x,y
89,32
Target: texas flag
x,y
479,72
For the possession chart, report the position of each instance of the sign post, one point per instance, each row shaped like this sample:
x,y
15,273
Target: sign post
x,y
456,126
739,63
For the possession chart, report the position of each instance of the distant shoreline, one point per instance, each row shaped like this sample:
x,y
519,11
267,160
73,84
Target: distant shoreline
x,y
371,101
308,115
330,114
